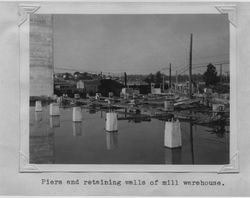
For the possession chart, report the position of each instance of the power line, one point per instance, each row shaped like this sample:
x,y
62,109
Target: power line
x,y
204,65
181,70
184,71
88,71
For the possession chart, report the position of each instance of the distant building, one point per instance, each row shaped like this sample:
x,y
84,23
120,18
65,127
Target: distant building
x,y
201,83
88,85
64,85
126,91
208,90
136,83
129,92
138,86
152,86
80,84
182,87
156,91
108,85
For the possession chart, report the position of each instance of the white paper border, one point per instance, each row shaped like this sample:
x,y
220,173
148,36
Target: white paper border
x,y
122,8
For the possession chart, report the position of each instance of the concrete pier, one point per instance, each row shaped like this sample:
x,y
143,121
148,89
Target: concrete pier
x,y
111,122
38,106
172,136
54,109
77,114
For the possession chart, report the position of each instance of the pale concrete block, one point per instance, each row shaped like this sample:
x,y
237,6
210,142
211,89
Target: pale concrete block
x,y
77,114
172,137
111,121
54,109
38,106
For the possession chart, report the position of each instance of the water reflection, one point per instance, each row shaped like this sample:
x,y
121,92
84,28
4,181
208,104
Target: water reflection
x,y
134,116
38,116
200,143
42,147
173,156
54,121
77,128
92,111
139,119
219,131
191,140
111,140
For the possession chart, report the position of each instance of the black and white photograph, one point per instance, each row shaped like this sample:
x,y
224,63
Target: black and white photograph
x,y
131,89
124,98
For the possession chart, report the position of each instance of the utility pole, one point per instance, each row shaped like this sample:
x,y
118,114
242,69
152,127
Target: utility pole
x,y
163,82
170,76
125,79
190,66
176,79
220,73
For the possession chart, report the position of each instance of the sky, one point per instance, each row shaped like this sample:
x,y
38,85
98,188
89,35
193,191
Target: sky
x,y
139,44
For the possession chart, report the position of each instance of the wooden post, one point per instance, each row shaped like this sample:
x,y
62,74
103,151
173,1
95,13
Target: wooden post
x,y
220,73
170,76
190,66
176,80
163,83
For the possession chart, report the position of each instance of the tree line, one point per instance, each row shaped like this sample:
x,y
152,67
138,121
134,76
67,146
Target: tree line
x,y
210,77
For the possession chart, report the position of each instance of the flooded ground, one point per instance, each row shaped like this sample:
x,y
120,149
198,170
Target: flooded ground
x,y
58,140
